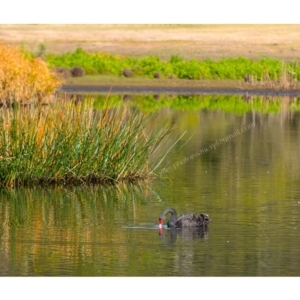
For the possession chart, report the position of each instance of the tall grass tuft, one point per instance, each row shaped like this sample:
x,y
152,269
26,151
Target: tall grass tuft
x,y
73,144
24,78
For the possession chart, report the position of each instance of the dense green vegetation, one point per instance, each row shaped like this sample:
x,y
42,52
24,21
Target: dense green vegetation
x,y
152,66
74,143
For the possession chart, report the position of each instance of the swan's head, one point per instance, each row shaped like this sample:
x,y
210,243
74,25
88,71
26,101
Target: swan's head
x,y
160,222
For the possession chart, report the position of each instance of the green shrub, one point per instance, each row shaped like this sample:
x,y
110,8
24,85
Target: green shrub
x,y
229,68
77,71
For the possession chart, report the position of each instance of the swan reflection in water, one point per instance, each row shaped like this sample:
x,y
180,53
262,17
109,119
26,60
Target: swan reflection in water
x,y
186,233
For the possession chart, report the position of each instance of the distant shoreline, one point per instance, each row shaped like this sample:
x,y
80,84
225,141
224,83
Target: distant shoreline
x,y
189,41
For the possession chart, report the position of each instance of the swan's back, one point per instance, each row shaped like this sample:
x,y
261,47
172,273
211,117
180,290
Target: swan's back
x,y
192,220
186,220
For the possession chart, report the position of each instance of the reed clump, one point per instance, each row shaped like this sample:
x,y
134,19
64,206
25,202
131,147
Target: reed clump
x,y
76,144
24,78
286,80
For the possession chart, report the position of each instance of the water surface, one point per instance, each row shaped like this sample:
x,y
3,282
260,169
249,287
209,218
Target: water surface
x,y
241,168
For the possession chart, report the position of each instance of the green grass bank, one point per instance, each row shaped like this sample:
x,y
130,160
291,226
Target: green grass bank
x,y
176,67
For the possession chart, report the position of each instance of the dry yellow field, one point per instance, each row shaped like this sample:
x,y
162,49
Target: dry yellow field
x,y
188,41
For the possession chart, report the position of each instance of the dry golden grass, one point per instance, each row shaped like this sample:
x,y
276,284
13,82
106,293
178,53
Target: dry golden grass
x,y
24,79
188,41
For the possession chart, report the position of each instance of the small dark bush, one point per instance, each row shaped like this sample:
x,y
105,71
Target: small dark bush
x,y
77,71
62,72
127,73
156,75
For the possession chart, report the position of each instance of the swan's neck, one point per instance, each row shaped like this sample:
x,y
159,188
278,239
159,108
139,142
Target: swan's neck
x,y
171,211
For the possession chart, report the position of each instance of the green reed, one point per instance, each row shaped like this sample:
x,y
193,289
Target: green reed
x,y
68,143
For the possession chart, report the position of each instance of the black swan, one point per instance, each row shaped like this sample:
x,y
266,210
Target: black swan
x,y
187,220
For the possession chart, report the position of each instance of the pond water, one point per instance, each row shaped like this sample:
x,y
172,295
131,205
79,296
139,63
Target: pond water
x,y
241,168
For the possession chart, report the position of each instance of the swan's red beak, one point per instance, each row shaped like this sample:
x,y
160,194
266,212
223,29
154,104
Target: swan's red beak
x,y
160,223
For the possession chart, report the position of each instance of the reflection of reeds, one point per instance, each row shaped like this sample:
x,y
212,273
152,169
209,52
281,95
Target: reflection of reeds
x,y
77,224
68,143
80,202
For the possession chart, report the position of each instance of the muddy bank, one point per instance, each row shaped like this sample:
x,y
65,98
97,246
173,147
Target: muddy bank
x,y
88,89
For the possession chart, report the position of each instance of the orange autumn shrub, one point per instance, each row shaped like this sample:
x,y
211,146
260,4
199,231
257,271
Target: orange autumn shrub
x,y
23,78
